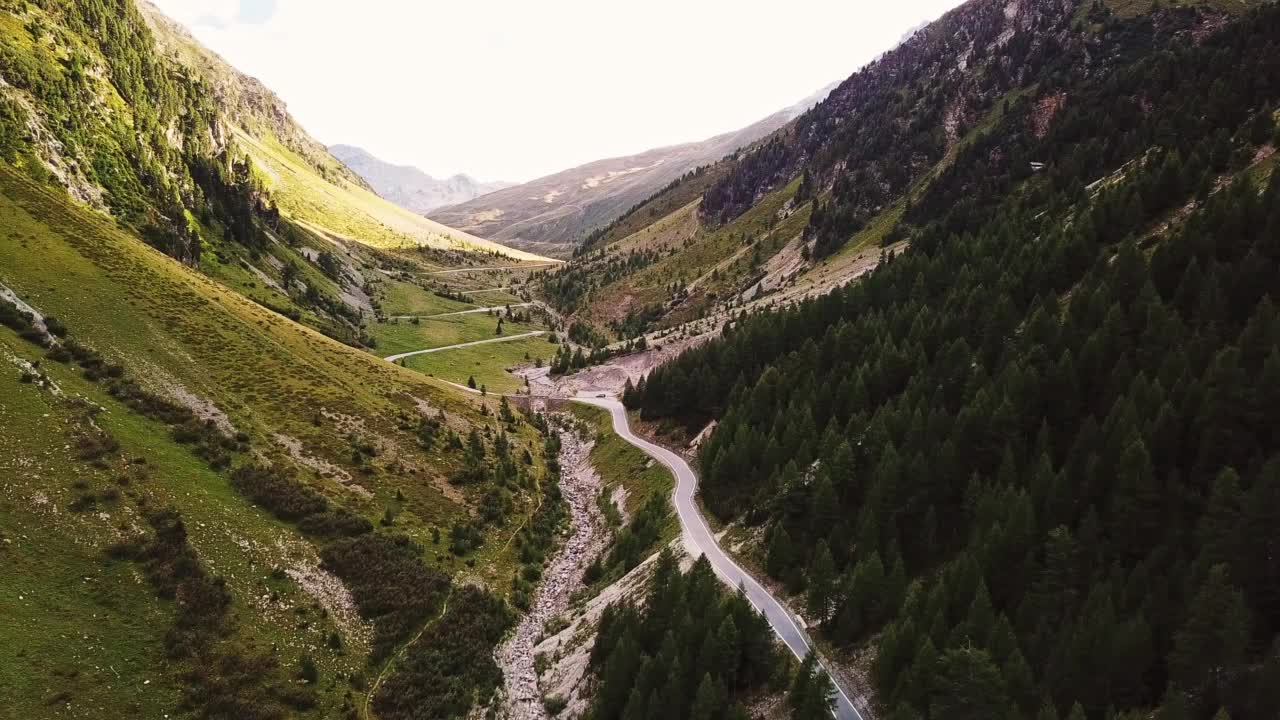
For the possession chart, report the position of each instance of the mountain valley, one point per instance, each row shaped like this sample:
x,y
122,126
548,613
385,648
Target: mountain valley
x,y
949,392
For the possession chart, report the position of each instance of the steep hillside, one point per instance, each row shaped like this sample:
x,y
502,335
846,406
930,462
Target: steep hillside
x,y
1028,466
222,471
211,510
122,108
246,102
306,182
867,164
409,187
551,215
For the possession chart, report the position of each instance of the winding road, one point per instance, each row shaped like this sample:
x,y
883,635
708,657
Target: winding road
x,y
697,535
700,537
534,266
469,311
504,338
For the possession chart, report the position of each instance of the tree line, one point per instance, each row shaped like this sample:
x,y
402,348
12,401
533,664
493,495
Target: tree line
x,y
1033,459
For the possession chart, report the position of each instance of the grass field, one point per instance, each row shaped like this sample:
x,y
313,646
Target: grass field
x,y
399,336
405,298
87,631
486,363
493,297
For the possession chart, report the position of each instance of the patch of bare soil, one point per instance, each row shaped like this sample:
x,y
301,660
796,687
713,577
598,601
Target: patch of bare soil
x,y
329,590
293,446
579,484
203,408
781,270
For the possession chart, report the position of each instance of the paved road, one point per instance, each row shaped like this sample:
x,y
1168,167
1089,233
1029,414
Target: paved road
x,y
504,338
496,267
459,312
699,535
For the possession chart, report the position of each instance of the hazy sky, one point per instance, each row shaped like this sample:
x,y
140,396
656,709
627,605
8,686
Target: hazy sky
x,y
515,89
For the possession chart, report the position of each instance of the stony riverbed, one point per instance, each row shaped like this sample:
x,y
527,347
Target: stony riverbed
x,y
579,484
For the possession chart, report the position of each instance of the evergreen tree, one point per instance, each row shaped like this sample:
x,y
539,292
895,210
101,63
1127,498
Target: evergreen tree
x,y
780,556
968,687
821,578
1214,635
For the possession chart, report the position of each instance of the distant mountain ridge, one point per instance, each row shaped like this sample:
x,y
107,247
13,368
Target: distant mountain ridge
x,y
551,214
409,187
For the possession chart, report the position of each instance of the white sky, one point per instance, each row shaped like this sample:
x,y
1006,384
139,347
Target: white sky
x,y
516,89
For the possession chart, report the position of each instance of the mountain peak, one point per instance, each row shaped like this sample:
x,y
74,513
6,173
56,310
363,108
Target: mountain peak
x,y
409,187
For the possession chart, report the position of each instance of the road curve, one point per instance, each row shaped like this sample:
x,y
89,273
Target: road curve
x,y
699,536
504,338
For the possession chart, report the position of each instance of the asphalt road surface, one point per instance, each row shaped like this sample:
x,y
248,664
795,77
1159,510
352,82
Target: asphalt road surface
x,y
698,536
504,338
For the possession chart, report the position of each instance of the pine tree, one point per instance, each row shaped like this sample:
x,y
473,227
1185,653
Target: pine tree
x,y
810,697
1219,531
706,703
636,708
780,556
727,650
617,677
1174,706
1214,635
1047,711
821,578
968,687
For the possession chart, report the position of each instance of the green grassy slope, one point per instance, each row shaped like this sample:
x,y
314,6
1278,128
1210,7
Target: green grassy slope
x,y
350,211
92,628
124,109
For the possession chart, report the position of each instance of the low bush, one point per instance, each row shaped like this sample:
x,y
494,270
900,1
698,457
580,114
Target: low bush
x,y
450,668
391,585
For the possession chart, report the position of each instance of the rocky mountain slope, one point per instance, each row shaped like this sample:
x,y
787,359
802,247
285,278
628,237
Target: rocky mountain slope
x,y
1034,447
409,187
800,212
552,214
120,106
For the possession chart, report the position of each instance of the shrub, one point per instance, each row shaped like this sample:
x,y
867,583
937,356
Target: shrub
x,y
307,669
389,582
554,704
278,491
55,326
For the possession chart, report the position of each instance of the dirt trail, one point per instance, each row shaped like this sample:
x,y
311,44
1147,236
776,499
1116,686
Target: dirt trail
x,y
386,669
579,485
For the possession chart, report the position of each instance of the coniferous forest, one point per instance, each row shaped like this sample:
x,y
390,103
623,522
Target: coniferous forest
x,y
1034,459
689,651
